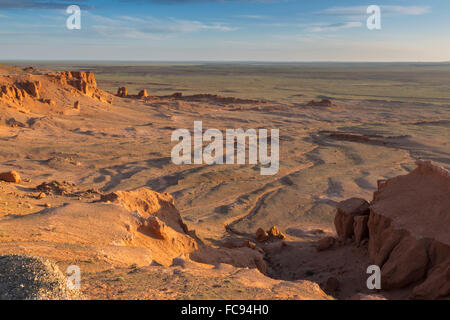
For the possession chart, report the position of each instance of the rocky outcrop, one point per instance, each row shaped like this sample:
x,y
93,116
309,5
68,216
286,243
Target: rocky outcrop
x,y
84,82
409,230
143,94
321,103
408,226
347,211
22,90
122,92
19,91
273,233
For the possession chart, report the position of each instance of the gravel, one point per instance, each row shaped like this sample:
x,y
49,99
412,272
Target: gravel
x,y
33,278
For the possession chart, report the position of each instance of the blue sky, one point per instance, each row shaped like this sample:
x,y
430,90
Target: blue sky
x,y
256,30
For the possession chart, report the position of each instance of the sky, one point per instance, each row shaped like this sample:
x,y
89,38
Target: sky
x,y
225,30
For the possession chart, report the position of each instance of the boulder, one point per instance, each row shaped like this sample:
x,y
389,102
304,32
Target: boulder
x,y
122,92
261,235
143,93
347,210
275,232
10,176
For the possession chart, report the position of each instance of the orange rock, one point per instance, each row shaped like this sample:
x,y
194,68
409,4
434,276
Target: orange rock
x,y
32,88
122,92
143,93
156,227
276,233
10,176
346,211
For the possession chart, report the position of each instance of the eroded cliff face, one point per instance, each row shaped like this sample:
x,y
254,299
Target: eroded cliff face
x,y
409,231
30,86
84,82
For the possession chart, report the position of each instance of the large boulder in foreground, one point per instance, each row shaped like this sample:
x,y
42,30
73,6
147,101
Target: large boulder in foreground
x,y
347,210
33,278
409,232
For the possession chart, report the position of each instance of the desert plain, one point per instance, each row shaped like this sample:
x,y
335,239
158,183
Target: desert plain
x,y
98,188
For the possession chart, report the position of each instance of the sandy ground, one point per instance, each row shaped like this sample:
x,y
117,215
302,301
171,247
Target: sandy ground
x,y
327,154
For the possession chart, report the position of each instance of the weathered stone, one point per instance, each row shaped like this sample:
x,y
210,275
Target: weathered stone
x,y
346,211
10,176
361,230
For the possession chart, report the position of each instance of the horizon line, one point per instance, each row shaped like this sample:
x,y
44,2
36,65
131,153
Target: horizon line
x,y
228,61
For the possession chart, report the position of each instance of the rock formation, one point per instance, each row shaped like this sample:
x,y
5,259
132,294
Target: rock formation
x,y
408,228
321,103
143,94
122,92
273,233
84,82
24,89
19,91
347,211
10,176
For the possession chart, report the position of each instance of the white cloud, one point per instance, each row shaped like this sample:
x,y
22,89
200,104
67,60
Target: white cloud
x,y
404,10
335,26
360,11
252,17
149,28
